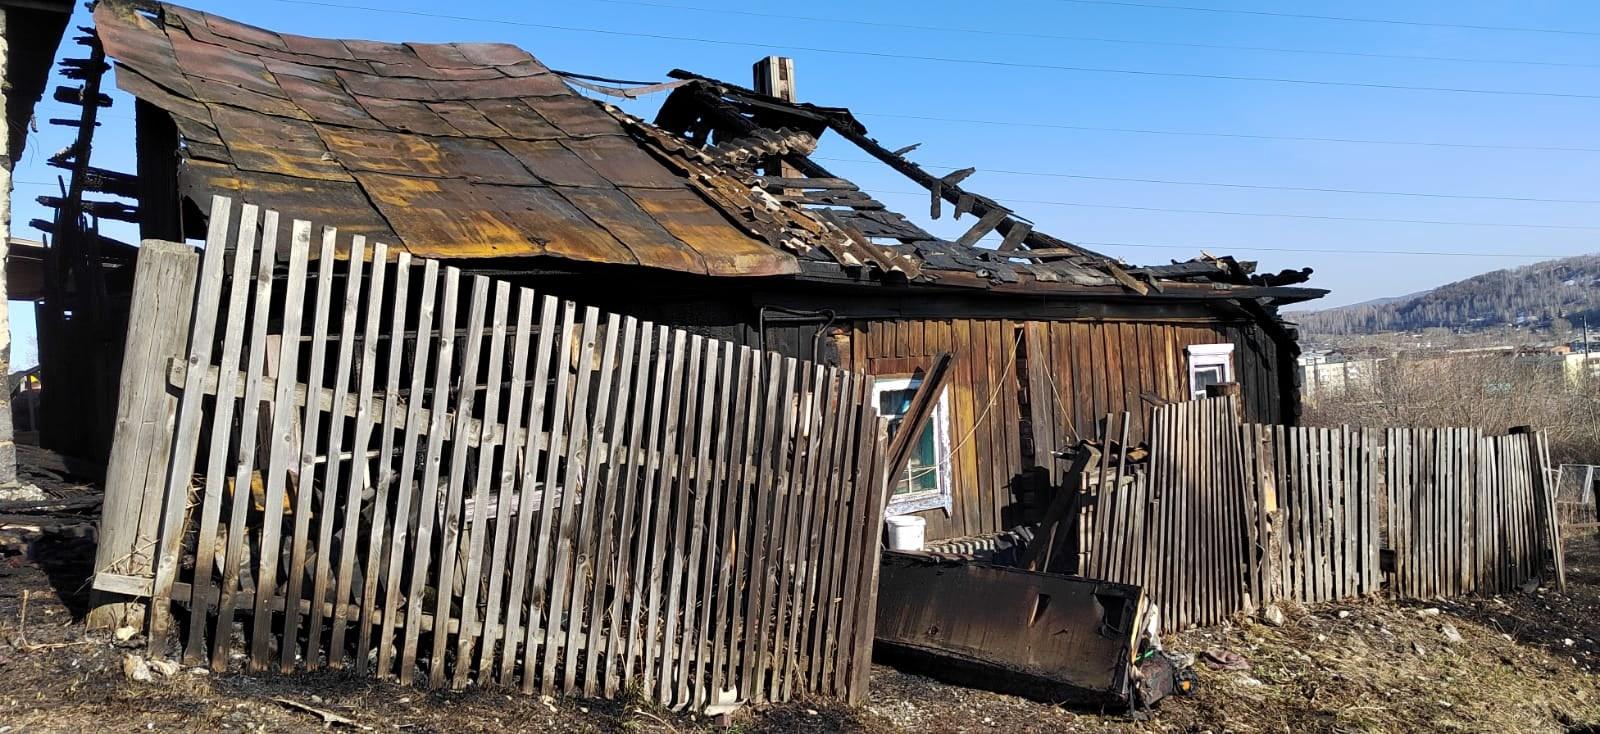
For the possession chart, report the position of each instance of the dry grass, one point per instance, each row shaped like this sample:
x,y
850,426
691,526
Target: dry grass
x,y
1359,667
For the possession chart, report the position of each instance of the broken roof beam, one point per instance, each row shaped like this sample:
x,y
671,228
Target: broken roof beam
x,y
951,192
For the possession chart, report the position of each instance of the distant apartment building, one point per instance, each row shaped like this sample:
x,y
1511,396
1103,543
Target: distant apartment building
x,y
1325,375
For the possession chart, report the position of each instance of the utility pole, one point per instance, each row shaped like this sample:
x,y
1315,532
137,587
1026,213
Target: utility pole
x,y
774,77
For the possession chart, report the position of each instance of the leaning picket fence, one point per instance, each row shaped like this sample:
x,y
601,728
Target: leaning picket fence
x,y
377,462
1225,517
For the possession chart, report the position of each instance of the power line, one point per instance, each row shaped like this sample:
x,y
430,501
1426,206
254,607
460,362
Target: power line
x,y
1283,215
1325,251
1096,39
1252,187
957,60
1334,18
1206,134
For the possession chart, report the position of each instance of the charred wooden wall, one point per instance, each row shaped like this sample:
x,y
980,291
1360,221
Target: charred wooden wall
x,y
1022,389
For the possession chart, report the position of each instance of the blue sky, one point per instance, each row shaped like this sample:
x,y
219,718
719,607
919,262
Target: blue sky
x,y
1077,123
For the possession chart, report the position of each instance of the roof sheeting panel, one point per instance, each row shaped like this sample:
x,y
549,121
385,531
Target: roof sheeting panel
x,y
448,150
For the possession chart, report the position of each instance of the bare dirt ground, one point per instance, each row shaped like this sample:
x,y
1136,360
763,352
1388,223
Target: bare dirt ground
x,y
1525,663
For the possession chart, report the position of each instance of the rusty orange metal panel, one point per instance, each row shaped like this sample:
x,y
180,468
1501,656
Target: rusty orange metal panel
x,y
467,119
427,215
389,53
535,85
342,205
215,92
653,246
496,54
518,119
275,145
406,115
386,87
250,34
442,56
575,115
554,164
621,162
327,102
327,48
381,151
726,250
222,64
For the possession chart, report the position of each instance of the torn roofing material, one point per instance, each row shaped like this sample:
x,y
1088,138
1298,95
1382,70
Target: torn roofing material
x,y
475,151
448,150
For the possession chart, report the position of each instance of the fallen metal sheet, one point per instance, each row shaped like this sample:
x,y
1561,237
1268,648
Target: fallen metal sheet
x,y
1046,636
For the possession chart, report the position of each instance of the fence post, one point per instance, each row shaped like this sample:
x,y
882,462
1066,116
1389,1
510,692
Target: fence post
x,y
158,320
1271,517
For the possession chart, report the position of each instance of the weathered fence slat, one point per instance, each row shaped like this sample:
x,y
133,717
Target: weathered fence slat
x,y
378,473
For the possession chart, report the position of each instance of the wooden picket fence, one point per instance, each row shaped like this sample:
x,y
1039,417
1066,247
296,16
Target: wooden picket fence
x,y
1227,517
377,462
1324,481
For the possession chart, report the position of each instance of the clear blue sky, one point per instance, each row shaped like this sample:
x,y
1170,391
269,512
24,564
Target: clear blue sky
x,y
1015,38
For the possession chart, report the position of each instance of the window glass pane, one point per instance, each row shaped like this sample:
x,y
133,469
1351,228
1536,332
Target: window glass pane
x,y
1205,376
922,472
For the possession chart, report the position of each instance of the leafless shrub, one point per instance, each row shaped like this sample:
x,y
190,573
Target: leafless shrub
x,y
1492,392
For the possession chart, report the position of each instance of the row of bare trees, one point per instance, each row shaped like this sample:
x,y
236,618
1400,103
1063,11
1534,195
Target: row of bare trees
x,y
1492,392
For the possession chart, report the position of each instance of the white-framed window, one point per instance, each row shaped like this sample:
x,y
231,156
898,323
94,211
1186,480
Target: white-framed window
x,y
926,482
1209,364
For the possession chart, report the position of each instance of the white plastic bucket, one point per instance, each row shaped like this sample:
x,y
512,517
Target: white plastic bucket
x,y
906,532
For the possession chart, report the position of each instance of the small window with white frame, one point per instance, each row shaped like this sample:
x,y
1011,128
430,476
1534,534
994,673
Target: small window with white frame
x,y
1209,364
925,485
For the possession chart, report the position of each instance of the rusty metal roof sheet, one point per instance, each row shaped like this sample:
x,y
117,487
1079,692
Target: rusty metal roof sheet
x,y
448,150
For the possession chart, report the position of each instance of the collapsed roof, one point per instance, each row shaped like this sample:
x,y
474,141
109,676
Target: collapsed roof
x,y
477,151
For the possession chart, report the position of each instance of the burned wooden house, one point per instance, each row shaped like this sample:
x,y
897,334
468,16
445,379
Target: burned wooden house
x,y
712,218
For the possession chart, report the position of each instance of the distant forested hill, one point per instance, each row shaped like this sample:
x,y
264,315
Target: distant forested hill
x,y
1535,294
